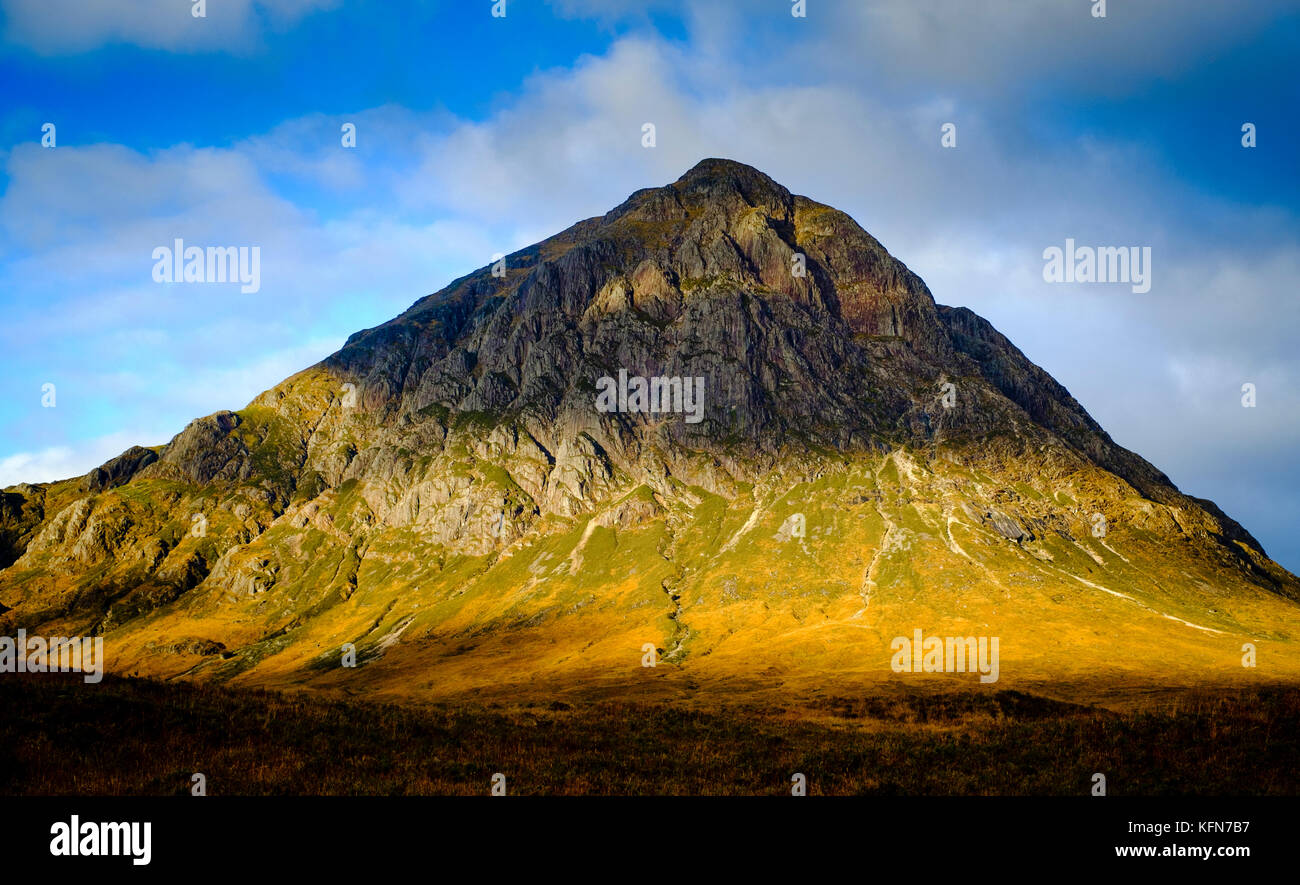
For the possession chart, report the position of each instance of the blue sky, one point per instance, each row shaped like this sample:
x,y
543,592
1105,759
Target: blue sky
x,y
478,135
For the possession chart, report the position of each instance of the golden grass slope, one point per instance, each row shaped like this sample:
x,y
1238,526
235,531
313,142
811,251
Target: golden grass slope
x,y
732,595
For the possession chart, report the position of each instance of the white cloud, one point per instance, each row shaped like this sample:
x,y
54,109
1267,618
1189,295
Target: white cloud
x,y
54,27
988,48
65,462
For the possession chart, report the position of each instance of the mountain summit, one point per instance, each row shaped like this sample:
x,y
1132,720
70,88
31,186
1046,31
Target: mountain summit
x,y
721,421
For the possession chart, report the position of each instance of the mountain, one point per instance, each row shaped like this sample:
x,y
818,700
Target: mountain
x,y
457,494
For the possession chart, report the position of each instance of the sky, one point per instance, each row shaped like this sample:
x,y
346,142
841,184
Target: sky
x,y
479,133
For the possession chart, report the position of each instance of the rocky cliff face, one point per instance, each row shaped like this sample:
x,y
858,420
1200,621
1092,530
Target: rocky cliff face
x,y
446,482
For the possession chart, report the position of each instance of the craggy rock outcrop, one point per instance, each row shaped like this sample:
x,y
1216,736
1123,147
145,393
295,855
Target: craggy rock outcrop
x,y
119,470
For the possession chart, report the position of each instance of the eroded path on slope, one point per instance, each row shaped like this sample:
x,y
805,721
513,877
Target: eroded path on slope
x,y
890,541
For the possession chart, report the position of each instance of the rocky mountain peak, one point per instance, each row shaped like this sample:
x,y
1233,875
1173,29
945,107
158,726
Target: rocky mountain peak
x,y
464,447
719,181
